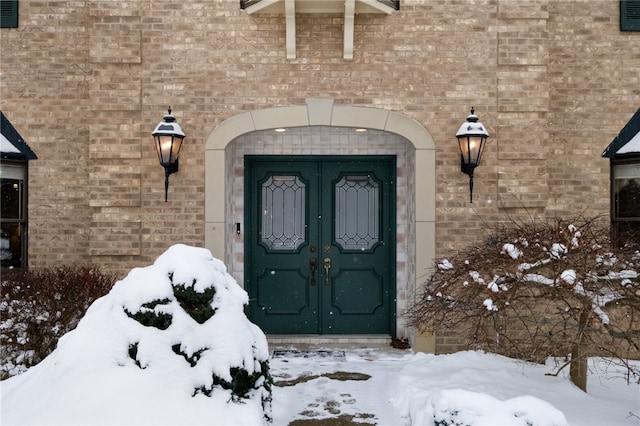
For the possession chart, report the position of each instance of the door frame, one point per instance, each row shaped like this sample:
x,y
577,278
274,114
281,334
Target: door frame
x,y
389,161
225,243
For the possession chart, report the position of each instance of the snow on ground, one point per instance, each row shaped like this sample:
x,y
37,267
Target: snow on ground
x,y
94,377
488,389
466,388
404,389
359,387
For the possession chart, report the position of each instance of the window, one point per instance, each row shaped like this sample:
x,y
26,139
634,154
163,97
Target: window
x,y
624,156
8,13
629,15
625,202
14,223
13,195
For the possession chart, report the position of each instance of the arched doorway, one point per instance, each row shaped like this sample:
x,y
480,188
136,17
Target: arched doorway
x,y
321,128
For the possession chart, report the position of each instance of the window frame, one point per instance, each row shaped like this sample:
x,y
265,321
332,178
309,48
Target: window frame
x,y
629,15
617,223
23,219
9,13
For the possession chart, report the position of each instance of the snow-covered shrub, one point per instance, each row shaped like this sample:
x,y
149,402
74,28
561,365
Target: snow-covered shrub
x,y
459,407
200,297
170,341
40,305
538,290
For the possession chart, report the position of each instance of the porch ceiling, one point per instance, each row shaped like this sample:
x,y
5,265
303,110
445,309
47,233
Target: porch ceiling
x,y
349,8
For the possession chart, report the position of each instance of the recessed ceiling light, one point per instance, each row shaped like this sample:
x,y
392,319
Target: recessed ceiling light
x,y
280,130
361,130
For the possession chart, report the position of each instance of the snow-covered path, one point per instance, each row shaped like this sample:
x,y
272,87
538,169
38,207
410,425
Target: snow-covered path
x,y
356,390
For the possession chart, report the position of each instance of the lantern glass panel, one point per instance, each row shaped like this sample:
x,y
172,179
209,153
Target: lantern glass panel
x,y
464,148
168,147
175,148
471,148
477,147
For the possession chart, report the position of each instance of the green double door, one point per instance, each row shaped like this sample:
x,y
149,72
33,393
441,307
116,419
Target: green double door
x,y
320,244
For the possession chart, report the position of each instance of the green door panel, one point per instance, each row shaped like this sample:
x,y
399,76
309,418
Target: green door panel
x,y
277,246
272,284
320,244
357,292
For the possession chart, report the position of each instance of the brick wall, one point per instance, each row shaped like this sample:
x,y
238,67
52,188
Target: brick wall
x,y
85,82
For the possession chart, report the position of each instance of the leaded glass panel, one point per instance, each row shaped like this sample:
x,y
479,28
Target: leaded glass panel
x,y
357,206
283,212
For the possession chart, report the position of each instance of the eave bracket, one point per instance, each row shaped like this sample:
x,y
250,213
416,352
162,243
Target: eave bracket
x,y
349,8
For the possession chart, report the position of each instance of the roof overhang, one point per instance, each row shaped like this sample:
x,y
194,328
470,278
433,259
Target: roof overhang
x,y
628,140
12,145
349,8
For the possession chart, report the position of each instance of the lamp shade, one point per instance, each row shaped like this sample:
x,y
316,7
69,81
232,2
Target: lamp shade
x,y
168,137
471,137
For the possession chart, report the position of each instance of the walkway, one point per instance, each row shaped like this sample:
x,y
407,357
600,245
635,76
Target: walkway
x,y
336,385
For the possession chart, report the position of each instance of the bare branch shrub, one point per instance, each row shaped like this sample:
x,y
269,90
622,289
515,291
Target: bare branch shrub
x,y
39,306
537,290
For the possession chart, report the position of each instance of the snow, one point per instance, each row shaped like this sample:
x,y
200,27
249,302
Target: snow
x,y
512,250
540,279
489,304
470,387
558,250
632,146
7,146
484,389
92,377
445,264
475,275
472,127
569,276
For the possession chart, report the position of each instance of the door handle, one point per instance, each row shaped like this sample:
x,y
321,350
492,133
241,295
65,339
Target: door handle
x,y
313,265
327,267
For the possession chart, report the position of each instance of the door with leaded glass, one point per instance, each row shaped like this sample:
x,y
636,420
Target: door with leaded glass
x,y
320,244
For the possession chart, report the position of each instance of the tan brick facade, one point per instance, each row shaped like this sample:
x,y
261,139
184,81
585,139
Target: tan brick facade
x,y
85,82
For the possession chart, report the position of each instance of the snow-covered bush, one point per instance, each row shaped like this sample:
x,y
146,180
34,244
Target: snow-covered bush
x,y
169,341
40,305
538,290
200,297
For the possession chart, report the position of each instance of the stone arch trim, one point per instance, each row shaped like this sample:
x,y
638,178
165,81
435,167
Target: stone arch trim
x,y
320,112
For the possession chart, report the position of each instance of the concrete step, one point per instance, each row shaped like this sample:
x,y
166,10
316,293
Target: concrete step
x,y
365,340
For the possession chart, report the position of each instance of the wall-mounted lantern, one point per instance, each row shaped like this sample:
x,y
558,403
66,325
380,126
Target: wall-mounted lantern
x,y
471,137
168,137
